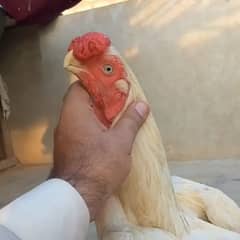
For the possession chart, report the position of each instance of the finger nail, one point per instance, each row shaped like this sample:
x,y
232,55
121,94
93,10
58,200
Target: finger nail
x,y
141,109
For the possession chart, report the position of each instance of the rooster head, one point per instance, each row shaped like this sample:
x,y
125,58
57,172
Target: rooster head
x,y
93,60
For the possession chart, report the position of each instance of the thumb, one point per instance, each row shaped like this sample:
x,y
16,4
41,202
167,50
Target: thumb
x,y
130,122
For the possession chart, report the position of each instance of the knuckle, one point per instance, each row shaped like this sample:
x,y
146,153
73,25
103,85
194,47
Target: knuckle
x,y
135,118
133,121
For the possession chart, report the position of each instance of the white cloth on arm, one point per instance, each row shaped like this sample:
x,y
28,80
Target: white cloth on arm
x,y
52,211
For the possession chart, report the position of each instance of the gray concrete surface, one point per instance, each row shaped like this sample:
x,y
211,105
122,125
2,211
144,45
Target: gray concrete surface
x,y
184,53
18,180
222,174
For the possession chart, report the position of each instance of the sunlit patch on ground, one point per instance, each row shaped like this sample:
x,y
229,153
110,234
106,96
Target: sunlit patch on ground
x,y
131,52
28,143
91,4
196,38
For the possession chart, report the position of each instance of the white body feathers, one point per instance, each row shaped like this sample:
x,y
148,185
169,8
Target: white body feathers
x,y
146,206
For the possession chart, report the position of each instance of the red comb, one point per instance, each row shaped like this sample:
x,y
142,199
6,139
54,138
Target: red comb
x,y
89,45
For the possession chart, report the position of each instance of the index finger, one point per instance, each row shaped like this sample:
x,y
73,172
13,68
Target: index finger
x,y
77,110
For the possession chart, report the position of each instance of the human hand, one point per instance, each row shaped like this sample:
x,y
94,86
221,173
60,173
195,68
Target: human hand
x,y
95,160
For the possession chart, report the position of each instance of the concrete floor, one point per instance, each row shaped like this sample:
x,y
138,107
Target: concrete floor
x,y
222,174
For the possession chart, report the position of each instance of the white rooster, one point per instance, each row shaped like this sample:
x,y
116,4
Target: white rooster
x,y
149,205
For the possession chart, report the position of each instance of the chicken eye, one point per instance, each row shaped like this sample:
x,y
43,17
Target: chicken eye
x,y
108,69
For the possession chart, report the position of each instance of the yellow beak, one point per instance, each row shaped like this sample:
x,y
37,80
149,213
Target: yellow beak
x,y
72,65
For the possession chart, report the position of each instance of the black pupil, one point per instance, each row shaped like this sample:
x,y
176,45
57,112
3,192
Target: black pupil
x,y
109,69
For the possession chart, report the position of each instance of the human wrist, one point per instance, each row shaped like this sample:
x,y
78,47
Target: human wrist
x,y
94,192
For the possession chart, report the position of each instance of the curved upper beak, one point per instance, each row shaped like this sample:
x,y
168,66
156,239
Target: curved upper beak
x,y
72,65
